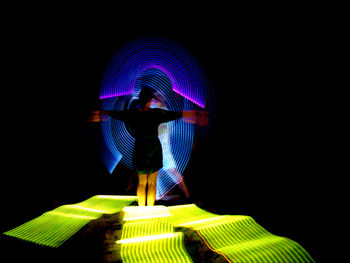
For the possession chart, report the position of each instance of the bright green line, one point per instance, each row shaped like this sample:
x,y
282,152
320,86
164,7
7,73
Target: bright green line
x,y
146,238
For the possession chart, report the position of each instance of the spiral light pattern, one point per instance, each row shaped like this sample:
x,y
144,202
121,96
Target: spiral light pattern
x,y
179,84
167,56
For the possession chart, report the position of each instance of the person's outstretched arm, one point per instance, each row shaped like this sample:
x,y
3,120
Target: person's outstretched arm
x,y
192,116
100,115
196,117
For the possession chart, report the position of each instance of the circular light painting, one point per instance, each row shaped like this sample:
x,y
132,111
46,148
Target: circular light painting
x,y
179,84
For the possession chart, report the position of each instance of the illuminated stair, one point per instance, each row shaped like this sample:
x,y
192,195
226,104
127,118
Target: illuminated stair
x,y
148,233
238,238
55,227
148,236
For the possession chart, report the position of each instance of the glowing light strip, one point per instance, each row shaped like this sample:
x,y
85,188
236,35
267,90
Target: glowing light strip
x,y
189,98
160,190
148,236
198,224
238,238
145,217
115,95
72,215
169,249
53,228
88,209
146,221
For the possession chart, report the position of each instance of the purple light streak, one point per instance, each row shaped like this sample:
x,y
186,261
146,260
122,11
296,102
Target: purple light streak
x,y
190,99
115,95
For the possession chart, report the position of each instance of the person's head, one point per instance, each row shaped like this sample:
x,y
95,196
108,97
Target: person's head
x,y
145,97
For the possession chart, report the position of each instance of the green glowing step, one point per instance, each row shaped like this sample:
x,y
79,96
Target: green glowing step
x,y
148,232
53,228
238,238
148,236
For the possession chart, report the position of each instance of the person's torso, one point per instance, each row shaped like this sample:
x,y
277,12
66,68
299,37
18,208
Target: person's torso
x,y
145,124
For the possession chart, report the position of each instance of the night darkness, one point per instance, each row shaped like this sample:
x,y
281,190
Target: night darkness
x,y
260,157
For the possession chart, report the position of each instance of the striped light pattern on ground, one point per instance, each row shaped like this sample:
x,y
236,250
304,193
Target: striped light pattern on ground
x,y
238,238
53,228
176,137
148,236
148,232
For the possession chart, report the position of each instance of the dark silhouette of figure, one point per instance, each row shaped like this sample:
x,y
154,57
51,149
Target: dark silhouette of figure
x,y
148,155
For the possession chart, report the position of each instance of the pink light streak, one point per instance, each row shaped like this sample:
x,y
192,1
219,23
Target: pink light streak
x,y
190,99
115,95
160,197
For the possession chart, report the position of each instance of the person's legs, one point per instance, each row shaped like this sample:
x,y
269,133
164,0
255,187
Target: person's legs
x,y
152,188
141,189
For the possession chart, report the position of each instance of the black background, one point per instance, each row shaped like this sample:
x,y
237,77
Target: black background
x,y
262,157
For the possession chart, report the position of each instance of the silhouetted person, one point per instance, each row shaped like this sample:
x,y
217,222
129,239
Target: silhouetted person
x,y
148,155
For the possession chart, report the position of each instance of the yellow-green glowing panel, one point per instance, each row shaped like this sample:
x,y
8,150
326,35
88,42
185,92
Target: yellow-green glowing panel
x,y
55,227
148,232
146,221
148,236
238,238
164,249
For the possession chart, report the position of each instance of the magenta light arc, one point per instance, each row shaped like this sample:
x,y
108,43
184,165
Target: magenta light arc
x,y
181,68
